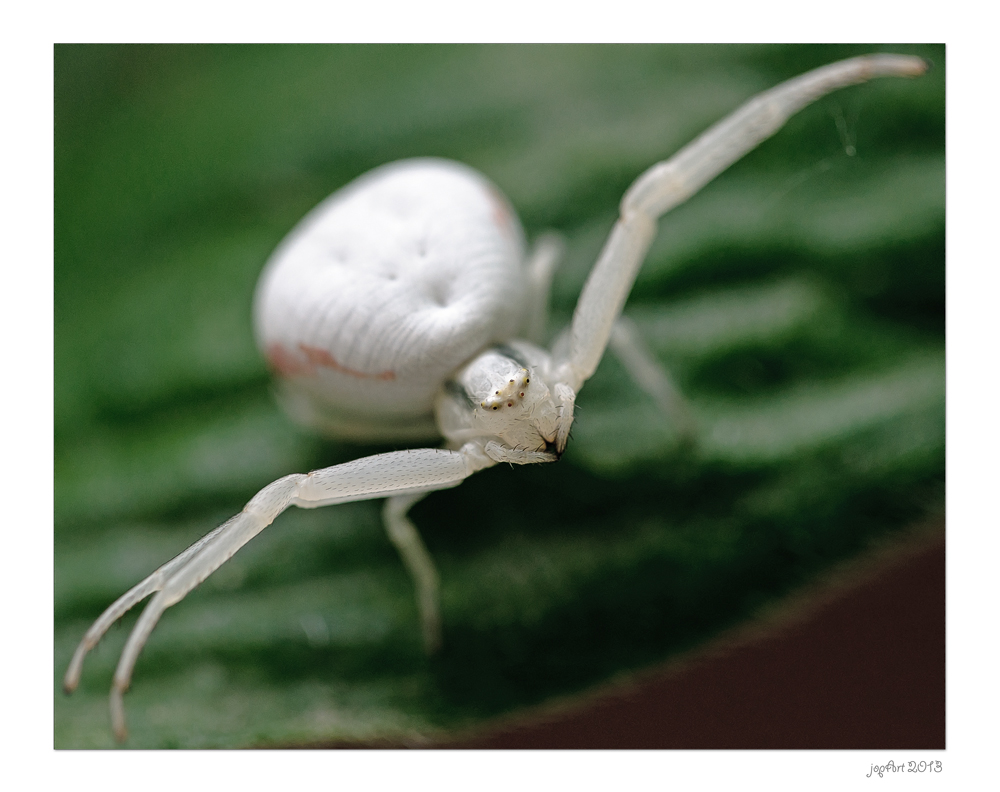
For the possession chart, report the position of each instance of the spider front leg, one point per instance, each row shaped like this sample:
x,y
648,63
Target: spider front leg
x,y
400,473
670,183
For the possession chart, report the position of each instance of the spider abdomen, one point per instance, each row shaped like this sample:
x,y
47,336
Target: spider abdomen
x,y
384,290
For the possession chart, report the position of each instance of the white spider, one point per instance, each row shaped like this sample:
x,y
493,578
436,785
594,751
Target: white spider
x,y
402,308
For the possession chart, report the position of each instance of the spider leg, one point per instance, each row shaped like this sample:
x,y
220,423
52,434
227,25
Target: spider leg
x,y
404,535
403,473
123,604
500,452
669,183
542,262
650,375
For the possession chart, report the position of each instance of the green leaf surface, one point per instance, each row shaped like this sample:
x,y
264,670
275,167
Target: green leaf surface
x,y
798,301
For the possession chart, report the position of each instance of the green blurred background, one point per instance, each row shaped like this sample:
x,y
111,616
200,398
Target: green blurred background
x,y
799,301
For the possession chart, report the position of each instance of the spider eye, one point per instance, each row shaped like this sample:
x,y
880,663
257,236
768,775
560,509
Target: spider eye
x,y
495,407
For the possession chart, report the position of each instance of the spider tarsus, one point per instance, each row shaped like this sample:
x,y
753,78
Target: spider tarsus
x,y
70,682
72,678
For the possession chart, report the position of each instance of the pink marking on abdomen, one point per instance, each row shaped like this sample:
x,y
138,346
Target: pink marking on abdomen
x,y
286,364
501,210
289,365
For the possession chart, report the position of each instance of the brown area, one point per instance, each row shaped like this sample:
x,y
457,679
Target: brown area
x,y
859,663
855,662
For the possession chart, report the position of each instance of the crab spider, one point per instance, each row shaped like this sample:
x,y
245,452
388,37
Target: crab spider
x,y
404,308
